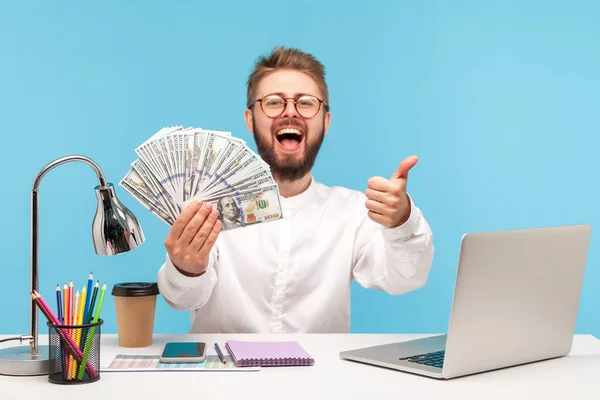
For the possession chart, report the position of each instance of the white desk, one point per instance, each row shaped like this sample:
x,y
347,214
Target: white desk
x,y
576,376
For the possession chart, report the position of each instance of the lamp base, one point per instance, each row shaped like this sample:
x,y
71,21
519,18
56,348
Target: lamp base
x,y
17,361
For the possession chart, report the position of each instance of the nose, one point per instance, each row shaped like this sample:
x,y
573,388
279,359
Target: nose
x,y
290,109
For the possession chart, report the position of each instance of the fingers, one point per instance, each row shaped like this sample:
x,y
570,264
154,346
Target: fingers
x,y
377,207
387,201
182,220
194,224
376,195
388,207
405,166
211,239
385,185
205,230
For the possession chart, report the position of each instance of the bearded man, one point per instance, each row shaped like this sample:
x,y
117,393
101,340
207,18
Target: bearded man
x,y
294,275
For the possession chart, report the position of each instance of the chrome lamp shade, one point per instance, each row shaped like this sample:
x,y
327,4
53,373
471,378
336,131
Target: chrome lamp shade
x,y
115,230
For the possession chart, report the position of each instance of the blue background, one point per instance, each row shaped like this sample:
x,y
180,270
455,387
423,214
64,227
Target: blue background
x,y
498,99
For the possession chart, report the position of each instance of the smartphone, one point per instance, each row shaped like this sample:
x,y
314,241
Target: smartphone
x,y
183,352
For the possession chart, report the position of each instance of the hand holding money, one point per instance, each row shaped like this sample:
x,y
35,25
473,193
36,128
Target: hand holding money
x,y
191,238
177,166
387,200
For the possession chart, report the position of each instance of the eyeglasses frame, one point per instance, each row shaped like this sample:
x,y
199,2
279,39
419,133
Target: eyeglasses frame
x,y
286,99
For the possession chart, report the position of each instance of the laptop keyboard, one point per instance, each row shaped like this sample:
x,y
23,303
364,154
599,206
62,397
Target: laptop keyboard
x,y
434,359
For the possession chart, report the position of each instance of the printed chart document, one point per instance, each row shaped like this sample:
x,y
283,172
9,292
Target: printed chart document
x,y
151,363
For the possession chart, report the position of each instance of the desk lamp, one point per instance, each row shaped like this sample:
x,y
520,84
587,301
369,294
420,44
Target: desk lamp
x,y
114,230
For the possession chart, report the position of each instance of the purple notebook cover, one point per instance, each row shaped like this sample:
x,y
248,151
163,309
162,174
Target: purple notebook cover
x,y
268,354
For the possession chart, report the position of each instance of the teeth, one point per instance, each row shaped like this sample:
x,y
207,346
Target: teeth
x,y
289,130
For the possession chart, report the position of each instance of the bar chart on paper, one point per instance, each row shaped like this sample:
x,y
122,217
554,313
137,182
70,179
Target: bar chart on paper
x,y
140,363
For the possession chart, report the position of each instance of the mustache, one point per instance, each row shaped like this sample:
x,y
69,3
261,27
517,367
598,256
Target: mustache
x,y
289,122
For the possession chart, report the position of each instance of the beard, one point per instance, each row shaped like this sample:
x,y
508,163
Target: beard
x,y
287,169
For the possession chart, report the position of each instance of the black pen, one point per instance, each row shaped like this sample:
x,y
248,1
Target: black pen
x,y
220,353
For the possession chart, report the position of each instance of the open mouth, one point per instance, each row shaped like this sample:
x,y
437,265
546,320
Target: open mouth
x,y
290,139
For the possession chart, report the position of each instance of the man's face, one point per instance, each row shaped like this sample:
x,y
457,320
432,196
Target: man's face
x,y
228,208
288,143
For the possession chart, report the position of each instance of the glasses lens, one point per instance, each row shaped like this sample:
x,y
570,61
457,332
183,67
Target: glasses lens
x,y
273,106
308,106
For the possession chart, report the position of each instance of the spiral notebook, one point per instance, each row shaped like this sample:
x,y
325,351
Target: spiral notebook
x,y
268,354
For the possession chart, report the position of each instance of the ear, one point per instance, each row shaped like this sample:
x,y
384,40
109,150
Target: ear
x,y
248,118
326,122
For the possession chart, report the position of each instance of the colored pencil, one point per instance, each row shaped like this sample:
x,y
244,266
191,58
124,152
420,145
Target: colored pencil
x,y
87,300
59,303
71,299
92,303
75,333
99,307
75,309
67,319
47,311
59,307
88,317
89,340
82,301
65,301
81,307
79,320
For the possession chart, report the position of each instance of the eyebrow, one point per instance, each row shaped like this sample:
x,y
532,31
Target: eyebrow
x,y
294,95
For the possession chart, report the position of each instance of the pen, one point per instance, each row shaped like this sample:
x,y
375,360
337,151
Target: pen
x,y
220,353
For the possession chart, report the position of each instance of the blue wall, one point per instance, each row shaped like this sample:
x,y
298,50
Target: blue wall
x,y
499,100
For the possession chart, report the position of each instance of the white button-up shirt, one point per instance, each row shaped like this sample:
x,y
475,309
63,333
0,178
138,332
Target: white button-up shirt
x,y
294,274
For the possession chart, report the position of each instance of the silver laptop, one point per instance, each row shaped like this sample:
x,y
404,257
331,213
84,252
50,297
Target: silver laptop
x,y
515,301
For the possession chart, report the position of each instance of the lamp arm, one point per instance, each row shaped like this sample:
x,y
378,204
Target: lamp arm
x,y
64,160
34,232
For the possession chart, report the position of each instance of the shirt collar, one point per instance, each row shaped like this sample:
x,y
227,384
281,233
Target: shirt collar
x,y
297,201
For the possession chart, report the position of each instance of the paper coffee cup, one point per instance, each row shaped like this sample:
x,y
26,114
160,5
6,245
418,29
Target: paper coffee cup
x,y
135,304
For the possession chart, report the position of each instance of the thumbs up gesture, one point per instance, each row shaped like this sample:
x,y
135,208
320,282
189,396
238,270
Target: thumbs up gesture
x,y
387,201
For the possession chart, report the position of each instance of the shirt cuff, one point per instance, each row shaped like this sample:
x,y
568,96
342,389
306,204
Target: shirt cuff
x,y
405,230
180,280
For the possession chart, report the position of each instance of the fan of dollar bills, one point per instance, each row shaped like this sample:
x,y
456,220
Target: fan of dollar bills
x,y
178,165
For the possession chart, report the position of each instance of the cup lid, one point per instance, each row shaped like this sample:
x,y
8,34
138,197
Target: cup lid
x,y
135,289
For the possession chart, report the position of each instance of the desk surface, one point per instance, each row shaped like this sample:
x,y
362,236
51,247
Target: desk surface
x,y
577,375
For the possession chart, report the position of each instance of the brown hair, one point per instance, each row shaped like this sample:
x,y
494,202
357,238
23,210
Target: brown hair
x,y
287,58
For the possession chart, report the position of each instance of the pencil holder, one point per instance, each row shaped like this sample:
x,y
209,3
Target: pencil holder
x,y
74,353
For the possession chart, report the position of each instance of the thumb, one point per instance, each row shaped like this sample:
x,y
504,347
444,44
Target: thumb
x,y
404,167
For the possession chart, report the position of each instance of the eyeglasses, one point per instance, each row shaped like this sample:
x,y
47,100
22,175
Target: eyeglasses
x,y
273,105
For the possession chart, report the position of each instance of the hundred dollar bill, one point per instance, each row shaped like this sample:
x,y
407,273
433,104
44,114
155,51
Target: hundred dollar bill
x,y
159,158
133,179
258,179
194,151
193,143
244,164
155,150
215,147
252,185
156,188
249,207
215,142
144,202
171,156
147,156
231,151
150,156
